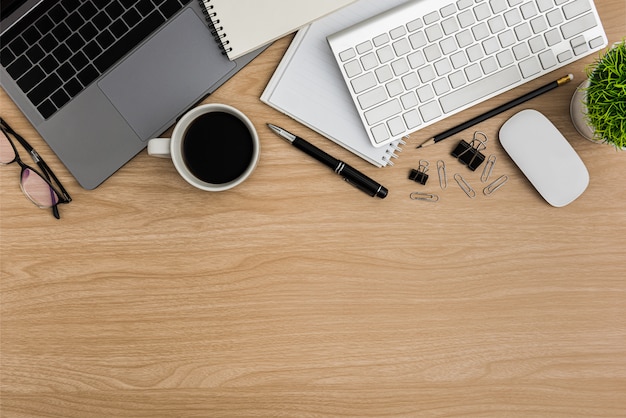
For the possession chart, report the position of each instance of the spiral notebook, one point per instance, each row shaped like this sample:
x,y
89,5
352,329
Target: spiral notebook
x,y
308,86
242,26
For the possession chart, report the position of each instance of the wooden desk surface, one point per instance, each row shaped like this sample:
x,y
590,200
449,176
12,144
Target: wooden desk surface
x,y
297,295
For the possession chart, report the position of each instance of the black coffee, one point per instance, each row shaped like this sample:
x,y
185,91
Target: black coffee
x,y
217,147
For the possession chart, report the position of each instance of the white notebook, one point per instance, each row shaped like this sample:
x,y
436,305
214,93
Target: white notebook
x,y
241,26
308,86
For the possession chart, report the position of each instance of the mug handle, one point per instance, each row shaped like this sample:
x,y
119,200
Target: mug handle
x,y
159,147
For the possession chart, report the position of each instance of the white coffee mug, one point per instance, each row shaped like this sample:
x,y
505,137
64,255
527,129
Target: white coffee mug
x,y
214,147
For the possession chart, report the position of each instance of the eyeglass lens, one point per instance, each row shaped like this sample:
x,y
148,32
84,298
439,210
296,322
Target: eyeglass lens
x,y
34,186
7,153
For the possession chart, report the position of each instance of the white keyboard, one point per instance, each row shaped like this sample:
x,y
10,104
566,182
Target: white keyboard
x,y
422,61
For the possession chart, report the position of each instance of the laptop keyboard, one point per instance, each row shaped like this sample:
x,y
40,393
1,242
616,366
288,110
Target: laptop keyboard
x,y
417,64
71,44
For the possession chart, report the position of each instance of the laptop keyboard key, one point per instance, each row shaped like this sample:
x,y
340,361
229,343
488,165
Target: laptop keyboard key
x,y
19,67
44,89
87,11
31,78
131,18
169,8
46,109
87,75
114,9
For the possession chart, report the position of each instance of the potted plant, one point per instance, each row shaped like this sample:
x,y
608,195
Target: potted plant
x,y
598,108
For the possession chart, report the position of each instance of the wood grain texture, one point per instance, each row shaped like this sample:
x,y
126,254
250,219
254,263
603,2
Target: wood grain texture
x,y
297,295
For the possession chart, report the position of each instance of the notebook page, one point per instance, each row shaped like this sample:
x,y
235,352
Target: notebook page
x,y
308,86
250,24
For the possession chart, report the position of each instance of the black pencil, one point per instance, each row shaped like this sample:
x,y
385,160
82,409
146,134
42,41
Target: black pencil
x,y
497,110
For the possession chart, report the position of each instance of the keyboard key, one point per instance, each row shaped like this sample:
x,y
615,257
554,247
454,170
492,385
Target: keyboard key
x,y
352,68
425,93
529,67
381,40
383,74
466,19
369,61
401,47
412,119
430,111
394,88
481,88
426,74
409,100
380,133
575,8
416,59
417,40
441,86
498,6
31,78
410,81
382,112
364,47
457,79
44,89
555,17
547,59
431,18
363,82
396,126
397,32
578,25
564,56
385,54
400,67
348,54
46,109
414,25
87,75
434,33
528,10
489,65
482,11
372,97
432,52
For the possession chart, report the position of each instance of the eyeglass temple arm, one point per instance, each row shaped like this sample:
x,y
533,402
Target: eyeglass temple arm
x,y
38,159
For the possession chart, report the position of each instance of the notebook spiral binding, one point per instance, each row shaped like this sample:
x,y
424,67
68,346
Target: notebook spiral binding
x,y
217,31
394,147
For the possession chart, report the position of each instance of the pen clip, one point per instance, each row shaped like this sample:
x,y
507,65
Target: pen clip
x,y
370,192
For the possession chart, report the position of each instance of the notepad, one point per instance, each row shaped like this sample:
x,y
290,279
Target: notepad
x,y
308,86
241,26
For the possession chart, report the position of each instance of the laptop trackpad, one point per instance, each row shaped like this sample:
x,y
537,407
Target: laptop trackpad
x,y
172,71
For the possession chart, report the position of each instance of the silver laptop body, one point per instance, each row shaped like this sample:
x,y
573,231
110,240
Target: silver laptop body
x,y
98,117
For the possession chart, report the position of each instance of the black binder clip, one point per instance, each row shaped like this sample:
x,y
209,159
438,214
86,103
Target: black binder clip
x,y
419,174
470,154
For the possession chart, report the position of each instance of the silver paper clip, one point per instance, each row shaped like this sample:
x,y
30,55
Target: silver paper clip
x,y
464,185
491,162
443,177
495,185
427,197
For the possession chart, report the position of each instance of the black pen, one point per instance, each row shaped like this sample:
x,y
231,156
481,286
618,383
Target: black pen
x,y
497,110
350,175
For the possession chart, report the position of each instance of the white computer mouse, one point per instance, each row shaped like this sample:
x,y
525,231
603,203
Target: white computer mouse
x,y
545,157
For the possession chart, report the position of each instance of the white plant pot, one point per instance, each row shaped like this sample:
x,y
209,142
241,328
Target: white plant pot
x,y
578,112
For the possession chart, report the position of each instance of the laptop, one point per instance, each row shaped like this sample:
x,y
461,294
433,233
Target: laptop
x,y
98,78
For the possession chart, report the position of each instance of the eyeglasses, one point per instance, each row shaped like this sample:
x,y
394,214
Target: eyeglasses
x,y
37,186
